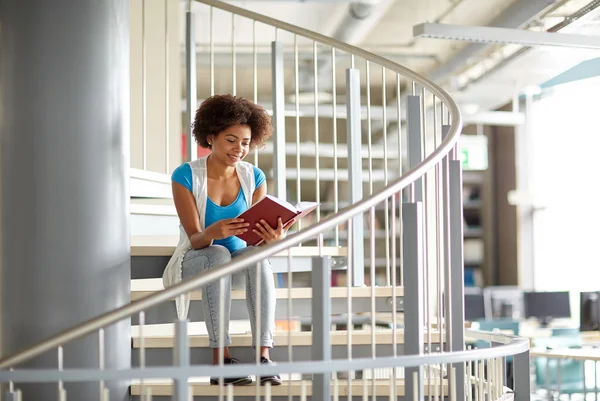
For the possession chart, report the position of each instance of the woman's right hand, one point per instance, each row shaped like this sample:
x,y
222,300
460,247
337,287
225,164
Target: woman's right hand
x,y
226,228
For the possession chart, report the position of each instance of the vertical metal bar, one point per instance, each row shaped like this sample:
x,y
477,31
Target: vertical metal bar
x,y
101,361
221,344
190,62
413,288
289,313
442,324
584,383
181,358
258,334
394,287
279,173
267,391
373,287
142,349
455,270
489,378
385,177
335,142
400,197
297,102
303,391
475,386
481,380
317,142
452,384
415,151
558,375
60,361
233,61
596,380
321,310
167,97
144,90
212,52
255,78
469,380
229,393
369,129
353,138
350,325
521,374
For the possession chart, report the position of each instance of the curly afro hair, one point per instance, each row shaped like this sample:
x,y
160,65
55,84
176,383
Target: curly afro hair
x,y
219,112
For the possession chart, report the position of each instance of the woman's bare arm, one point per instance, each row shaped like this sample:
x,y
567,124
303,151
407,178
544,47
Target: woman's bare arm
x,y
259,193
188,216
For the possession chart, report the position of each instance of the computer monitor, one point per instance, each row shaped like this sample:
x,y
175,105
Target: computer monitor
x,y
504,302
589,311
545,306
474,307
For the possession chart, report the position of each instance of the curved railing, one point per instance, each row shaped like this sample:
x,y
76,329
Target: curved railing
x,y
426,233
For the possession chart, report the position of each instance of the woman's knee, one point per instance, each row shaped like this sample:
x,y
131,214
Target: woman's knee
x,y
218,255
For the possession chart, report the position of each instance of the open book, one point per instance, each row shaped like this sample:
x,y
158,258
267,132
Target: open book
x,y
270,209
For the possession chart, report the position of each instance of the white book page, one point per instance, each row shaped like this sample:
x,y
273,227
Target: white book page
x,y
281,202
305,205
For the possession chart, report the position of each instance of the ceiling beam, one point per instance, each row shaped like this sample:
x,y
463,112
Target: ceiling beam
x,y
496,118
517,15
494,35
327,150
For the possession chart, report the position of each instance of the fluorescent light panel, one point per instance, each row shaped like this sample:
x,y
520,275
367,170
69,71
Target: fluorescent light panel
x,y
481,34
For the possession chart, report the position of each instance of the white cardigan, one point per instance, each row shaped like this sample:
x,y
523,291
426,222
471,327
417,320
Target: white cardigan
x,y
172,273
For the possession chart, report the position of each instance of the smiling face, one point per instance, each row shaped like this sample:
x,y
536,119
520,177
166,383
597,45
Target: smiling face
x,y
231,145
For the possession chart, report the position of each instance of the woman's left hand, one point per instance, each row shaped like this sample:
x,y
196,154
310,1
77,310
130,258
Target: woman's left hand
x,y
269,234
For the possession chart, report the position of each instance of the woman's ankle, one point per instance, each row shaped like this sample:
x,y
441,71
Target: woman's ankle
x,y
226,355
264,352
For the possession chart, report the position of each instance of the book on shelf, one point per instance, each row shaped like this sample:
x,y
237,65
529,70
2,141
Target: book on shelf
x,y
270,209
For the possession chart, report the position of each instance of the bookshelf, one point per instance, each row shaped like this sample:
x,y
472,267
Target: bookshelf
x,y
477,198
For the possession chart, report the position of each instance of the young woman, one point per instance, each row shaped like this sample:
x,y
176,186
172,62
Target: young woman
x,y
209,193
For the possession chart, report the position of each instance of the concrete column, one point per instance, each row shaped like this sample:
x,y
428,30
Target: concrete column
x,y
64,121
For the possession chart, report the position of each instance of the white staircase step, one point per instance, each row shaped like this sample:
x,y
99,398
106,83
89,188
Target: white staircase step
x,y
201,388
155,245
152,209
161,336
141,288
147,184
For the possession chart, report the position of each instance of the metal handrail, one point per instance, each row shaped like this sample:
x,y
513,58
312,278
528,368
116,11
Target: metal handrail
x,y
510,345
258,255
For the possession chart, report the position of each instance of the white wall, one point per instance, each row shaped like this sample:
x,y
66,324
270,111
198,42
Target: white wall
x,y
566,183
156,96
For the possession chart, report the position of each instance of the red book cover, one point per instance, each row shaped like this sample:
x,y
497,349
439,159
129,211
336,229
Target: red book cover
x,y
270,209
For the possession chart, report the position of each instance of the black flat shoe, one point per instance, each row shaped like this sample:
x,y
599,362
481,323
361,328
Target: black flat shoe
x,y
232,381
274,380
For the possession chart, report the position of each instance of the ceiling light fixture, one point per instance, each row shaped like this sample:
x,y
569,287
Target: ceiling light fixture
x,y
484,34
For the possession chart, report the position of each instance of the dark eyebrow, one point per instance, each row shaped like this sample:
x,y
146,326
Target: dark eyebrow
x,y
243,139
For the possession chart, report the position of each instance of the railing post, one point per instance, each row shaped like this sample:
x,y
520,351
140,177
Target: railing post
x,y
191,101
12,396
181,358
355,183
414,128
279,166
452,172
522,380
412,215
321,321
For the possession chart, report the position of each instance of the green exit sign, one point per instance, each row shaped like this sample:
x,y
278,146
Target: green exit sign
x,y
473,152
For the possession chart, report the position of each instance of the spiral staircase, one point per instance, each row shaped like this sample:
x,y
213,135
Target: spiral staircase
x,y
389,326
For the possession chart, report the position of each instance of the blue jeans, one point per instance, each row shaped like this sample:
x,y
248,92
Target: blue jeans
x,y
198,260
